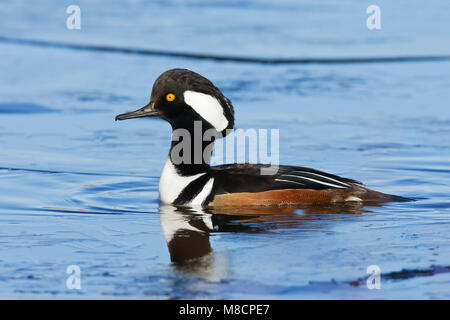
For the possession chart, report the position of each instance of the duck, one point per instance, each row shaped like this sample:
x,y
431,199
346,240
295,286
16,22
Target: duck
x,y
188,102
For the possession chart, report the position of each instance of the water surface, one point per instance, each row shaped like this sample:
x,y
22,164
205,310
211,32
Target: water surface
x,y
78,188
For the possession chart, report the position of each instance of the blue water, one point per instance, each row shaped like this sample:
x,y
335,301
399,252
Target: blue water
x,y
78,188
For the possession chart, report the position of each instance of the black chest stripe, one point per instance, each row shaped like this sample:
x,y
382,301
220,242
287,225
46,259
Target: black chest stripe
x,y
192,190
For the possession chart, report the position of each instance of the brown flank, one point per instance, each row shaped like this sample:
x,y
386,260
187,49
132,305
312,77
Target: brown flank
x,y
290,197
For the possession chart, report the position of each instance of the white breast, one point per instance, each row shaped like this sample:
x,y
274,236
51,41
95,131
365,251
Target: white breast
x,y
172,184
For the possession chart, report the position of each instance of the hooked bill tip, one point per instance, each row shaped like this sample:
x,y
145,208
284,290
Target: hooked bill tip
x,y
119,117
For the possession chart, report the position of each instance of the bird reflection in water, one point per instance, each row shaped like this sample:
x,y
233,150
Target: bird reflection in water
x,y
187,230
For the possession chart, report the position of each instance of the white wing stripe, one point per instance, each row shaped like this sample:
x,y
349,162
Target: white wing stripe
x,y
290,181
325,177
314,180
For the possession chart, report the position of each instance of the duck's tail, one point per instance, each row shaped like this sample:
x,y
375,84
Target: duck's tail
x,y
370,195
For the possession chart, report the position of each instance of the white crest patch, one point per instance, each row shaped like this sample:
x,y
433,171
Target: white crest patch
x,y
208,107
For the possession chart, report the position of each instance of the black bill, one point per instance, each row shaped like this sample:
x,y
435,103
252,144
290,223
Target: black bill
x,y
146,111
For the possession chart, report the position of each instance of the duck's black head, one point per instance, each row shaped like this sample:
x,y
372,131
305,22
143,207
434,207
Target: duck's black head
x,y
181,96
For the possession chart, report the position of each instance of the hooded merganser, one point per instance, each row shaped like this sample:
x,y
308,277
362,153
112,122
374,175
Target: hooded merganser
x,y
183,97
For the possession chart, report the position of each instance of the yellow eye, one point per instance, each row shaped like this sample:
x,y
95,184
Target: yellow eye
x,y
170,97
